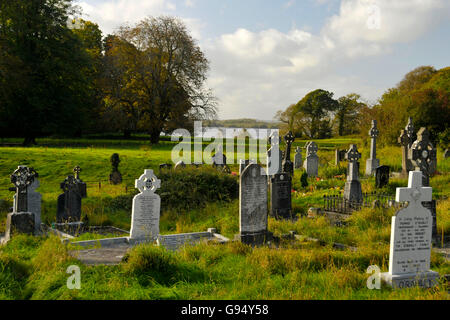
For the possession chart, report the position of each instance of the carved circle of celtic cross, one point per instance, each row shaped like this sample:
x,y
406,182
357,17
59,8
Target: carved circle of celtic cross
x,y
69,184
23,176
404,138
423,152
77,171
410,128
374,132
352,154
289,138
311,148
148,182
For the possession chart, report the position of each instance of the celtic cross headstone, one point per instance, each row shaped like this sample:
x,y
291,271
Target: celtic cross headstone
x,y
288,166
352,190
69,202
410,250
372,163
146,208
22,178
274,155
423,155
115,176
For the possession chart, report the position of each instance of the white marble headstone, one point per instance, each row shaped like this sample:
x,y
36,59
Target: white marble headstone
x,y
410,250
146,208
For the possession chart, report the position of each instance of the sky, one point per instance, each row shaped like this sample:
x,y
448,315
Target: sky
x,y
266,55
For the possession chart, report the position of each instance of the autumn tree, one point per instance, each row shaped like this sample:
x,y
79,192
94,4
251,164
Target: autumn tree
x,y
348,113
157,74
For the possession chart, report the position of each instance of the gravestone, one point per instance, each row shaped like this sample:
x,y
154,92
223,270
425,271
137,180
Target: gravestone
x,y
311,164
274,156
410,250
244,164
288,166
19,223
446,154
69,202
410,131
280,193
253,211
146,208
403,140
219,159
115,176
372,163
423,155
27,199
352,190
167,166
298,160
382,176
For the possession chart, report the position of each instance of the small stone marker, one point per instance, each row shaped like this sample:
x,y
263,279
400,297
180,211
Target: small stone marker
x,y
167,166
311,164
180,165
382,176
253,211
280,190
146,208
372,163
352,190
115,177
403,140
298,160
446,154
410,251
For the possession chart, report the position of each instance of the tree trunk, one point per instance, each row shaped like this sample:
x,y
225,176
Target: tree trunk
x,y
127,134
155,135
28,141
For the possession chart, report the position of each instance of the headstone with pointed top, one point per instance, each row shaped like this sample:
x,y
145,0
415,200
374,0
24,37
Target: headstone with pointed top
x,y
352,190
253,211
298,160
146,208
372,163
410,250
311,163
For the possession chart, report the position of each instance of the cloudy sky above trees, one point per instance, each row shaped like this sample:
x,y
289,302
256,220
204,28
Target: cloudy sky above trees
x,y
266,55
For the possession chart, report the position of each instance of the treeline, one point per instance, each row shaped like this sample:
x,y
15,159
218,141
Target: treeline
x,y
60,76
423,94
243,123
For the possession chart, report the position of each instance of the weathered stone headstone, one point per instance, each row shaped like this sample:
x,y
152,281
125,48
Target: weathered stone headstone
x,y
69,202
311,164
287,165
352,190
180,165
410,131
115,176
403,140
382,176
446,154
372,163
274,155
19,223
423,155
280,192
146,208
244,164
253,211
298,160
27,199
410,251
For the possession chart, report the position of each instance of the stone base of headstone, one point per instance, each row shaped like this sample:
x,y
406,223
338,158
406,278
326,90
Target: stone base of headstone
x,y
353,191
371,165
72,228
424,280
254,238
19,223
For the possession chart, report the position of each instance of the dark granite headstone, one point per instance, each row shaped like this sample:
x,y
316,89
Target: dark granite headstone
x,y
69,203
115,177
382,176
19,223
281,188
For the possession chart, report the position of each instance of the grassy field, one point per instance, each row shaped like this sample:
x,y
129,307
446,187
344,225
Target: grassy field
x,y
35,268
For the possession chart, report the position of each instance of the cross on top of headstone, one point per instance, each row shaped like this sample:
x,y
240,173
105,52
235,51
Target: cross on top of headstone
x,y
374,132
311,148
410,128
69,183
77,171
415,194
23,177
352,154
404,138
423,152
289,138
148,182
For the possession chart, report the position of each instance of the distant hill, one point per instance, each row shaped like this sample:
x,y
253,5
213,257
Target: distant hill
x,y
243,123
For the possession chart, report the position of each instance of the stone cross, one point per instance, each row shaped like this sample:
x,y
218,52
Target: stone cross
x,y
410,131
372,163
22,178
423,155
410,250
77,171
146,208
298,161
115,177
352,190
311,163
403,140
288,166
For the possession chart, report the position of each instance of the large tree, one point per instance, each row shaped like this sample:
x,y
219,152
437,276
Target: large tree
x,y
43,83
348,111
156,76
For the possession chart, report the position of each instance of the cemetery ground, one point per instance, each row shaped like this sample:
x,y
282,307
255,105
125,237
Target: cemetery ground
x,y
194,200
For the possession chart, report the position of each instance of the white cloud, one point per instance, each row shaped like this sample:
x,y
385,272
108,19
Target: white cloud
x,y
189,3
